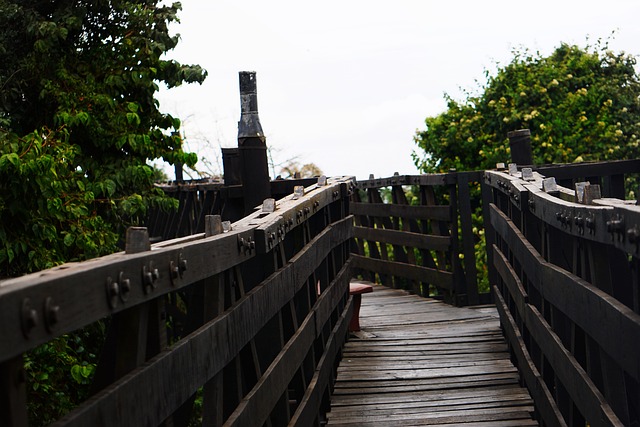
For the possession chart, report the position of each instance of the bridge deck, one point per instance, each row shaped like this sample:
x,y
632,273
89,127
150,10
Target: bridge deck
x,y
422,362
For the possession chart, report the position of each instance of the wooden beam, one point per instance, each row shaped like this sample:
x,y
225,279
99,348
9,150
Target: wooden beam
x,y
442,279
403,238
440,213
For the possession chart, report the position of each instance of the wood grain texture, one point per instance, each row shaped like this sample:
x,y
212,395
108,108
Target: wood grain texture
x,y
433,365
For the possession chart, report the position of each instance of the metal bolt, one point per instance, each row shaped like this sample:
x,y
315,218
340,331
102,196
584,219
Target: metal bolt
x,y
149,277
590,223
125,287
175,270
51,312
182,265
29,317
532,204
633,234
113,290
616,226
579,220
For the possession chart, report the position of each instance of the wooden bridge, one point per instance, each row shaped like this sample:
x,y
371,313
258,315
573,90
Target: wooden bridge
x,y
252,321
239,315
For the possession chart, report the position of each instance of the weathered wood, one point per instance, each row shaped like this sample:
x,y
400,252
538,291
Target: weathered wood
x,y
440,213
545,404
163,384
13,396
468,240
403,238
419,379
307,412
442,279
596,308
256,406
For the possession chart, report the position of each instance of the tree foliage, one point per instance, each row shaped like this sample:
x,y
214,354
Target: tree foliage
x,y
78,123
580,103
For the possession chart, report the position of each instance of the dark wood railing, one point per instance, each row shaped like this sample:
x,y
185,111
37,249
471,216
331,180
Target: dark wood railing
x,y
252,319
199,198
564,266
422,241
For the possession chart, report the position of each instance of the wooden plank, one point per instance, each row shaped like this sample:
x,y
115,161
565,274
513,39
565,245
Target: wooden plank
x,y
460,417
442,279
228,333
597,314
80,289
257,405
545,404
382,411
328,301
582,170
309,408
440,213
511,280
584,394
425,179
403,238
415,378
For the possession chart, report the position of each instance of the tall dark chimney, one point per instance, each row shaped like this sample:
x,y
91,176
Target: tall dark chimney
x,y
252,146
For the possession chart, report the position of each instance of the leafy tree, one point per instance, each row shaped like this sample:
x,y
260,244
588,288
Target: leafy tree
x,y
78,123
580,103
293,168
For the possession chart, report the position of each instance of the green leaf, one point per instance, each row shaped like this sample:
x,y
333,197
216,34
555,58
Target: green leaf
x,y
12,159
69,239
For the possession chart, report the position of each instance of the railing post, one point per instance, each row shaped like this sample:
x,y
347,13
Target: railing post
x,y
135,334
252,146
13,396
520,144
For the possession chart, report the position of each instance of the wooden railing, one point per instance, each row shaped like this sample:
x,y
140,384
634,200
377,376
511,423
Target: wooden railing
x,y
252,320
565,268
422,241
199,198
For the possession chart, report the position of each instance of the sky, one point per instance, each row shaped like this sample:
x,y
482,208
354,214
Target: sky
x,y
346,84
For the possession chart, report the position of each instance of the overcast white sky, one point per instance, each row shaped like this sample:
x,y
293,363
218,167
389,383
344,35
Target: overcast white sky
x,y
345,84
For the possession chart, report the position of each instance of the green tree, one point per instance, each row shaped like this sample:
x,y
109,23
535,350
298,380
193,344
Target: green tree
x,y
580,103
79,122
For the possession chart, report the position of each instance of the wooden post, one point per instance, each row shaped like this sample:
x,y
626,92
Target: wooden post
x,y
135,335
520,144
13,396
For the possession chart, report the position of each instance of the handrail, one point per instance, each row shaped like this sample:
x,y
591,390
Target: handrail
x,y
267,302
419,247
563,284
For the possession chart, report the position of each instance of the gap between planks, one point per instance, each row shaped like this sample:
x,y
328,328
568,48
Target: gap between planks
x,y
419,361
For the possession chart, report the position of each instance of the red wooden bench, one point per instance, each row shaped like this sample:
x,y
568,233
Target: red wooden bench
x,y
357,288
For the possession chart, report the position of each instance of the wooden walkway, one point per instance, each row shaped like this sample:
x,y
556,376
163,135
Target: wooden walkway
x,y
422,362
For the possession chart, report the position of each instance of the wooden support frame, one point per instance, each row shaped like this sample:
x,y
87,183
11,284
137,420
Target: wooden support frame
x,y
231,309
